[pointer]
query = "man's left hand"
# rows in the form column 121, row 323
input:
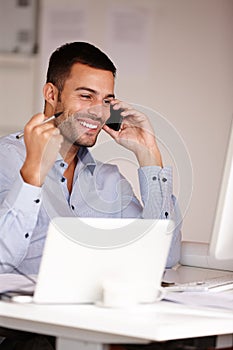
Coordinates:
column 136, row 134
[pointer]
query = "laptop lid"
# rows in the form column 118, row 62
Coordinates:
column 80, row 255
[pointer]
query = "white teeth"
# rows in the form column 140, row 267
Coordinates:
column 88, row 125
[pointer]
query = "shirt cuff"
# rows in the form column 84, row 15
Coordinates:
column 155, row 177
column 24, row 196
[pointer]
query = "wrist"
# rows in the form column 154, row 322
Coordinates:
column 31, row 175
column 149, row 158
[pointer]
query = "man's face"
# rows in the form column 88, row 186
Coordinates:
column 85, row 100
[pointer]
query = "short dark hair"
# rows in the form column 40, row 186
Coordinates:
column 63, row 58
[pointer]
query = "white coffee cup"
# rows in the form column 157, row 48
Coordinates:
column 124, row 294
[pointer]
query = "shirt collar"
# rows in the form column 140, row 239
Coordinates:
column 85, row 156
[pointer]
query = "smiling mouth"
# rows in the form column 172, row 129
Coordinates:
column 88, row 125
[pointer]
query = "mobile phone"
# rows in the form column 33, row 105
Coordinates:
column 115, row 119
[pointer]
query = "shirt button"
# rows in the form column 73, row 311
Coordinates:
column 26, row 235
column 164, row 179
column 166, row 214
column 63, row 179
column 154, row 178
column 72, row 207
column 62, row 165
column 37, row 200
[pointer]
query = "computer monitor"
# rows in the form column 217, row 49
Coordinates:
column 221, row 245
column 218, row 254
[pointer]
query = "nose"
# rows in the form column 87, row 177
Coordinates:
column 99, row 111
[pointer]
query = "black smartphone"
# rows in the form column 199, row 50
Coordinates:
column 115, row 119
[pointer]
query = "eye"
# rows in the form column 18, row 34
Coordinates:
column 86, row 96
column 106, row 102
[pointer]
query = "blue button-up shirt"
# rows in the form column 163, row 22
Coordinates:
column 99, row 190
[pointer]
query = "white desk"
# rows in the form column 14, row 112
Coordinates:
column 79, row 326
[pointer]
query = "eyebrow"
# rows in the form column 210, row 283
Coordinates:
column 93, row 91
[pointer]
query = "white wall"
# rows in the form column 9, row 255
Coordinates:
column 193, row 54
column 17, row 96
column 184, row 71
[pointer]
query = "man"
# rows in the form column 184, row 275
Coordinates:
column 51, row 172
column 53, row 160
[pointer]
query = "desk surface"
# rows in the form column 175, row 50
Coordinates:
column 143, row 323
column 161, row 321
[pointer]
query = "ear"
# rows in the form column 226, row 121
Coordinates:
column 51, row 94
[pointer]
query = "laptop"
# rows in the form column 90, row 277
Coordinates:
column 80, row 255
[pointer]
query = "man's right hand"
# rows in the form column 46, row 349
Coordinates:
column 43, row 142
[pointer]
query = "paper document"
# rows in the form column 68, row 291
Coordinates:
column 16, row 282
column 223, row 300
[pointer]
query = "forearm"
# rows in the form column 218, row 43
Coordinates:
column 156, row 192
column 175, row 248
column 160, row 203
column 148, row 156
column 18, row 216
